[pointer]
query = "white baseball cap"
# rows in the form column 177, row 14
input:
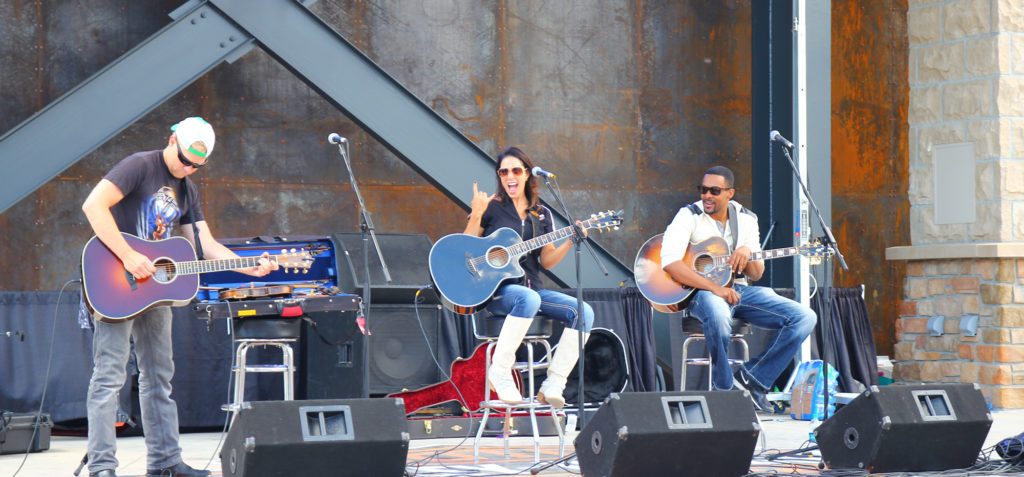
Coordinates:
column 192, row 130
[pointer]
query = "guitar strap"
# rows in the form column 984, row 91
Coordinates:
column 195, row 228
column 734, row 213
column 733, row 227
column 535, row 222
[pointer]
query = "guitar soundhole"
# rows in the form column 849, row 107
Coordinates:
column 165, row 270
column 497, row 257
column 704, row 265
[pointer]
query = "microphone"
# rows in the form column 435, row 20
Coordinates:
column 775, row 136
column 538, row 172
column 334, row 138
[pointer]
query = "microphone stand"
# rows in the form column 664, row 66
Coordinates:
column 579, row 292
column 829, row 241
column 368, row 231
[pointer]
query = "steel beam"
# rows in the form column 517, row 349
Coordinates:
column 218, row 30
column 385, row 109
column 106, row 103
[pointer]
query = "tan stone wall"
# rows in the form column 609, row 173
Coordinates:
column 966, row 76
column 993, row 289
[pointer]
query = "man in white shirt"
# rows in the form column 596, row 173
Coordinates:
column 716, row 215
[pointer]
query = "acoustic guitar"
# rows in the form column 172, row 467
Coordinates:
column 709, row 258
column 467, row 270
column 116, row 295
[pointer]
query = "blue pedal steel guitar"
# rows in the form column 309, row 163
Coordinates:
column 467, row 270
column 116, row 295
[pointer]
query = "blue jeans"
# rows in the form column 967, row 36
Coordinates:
column 111, row 346
column 517, row 300
column 763, row 308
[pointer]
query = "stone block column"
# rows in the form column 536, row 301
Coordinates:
column 966, row 77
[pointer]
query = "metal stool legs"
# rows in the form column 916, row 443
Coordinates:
column 287, row 367
column 530, row 404
column 706, row 361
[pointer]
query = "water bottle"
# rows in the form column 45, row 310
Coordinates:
column 810, row 430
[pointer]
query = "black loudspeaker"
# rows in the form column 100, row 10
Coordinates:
column 407, row 258
column 355, row 437
column 907, row 428
column 698, row 433
column 399, row 355
column 330, row 357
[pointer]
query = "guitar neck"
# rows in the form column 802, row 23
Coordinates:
column 776, row 253
column 538, row 242
column 193, row 267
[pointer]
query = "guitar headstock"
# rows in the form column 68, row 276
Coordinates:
column 816, row 251
column 607, row 220
column 294, row 260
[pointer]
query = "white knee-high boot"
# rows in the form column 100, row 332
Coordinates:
column 499, row 375
column 566, row 355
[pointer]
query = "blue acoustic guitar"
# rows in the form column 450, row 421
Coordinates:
column 466, row 269
column 117, row 296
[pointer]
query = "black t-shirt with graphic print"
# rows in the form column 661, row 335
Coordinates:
column 503, row 214
column 152, row 202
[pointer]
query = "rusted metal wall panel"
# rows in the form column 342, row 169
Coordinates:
column 693, row 68
column 628, row 101
column 870, row 210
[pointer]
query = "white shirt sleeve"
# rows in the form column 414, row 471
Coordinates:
column 750, row 235
column 677, row 237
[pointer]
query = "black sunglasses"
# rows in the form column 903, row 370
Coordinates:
column 713, row 190
column 515, row 171
column 184, row 160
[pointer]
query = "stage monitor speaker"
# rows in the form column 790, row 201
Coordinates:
column 355, row 437
column 399, row 355
column 645, row 433
column 407, row 258
column 907, row 428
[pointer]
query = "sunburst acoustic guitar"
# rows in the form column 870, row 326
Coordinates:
column 708, row 258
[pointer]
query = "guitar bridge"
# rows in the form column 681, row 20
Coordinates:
column 131, row 280
column 470, row 267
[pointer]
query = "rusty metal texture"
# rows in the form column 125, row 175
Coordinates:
column 870, row 168
column 628, row 101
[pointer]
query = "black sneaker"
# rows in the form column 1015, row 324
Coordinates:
column 180, row 469
column 757, row 395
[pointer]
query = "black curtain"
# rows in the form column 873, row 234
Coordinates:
column 638, row 316
column 851, row 341
column 29, row 316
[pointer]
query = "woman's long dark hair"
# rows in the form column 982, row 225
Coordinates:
column 530, row 188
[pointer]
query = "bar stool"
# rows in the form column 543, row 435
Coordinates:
column 259, row 332
column 488, row 329
column 694, row 330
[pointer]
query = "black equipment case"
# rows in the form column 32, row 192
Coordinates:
column 16, row 431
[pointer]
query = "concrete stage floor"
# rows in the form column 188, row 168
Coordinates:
column 456, row 455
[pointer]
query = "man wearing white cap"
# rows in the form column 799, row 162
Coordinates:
column 147, row 194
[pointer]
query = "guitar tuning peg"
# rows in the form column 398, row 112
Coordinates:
column 305, row 271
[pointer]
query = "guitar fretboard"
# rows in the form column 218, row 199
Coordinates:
column 538, row 242
column 193, row 267
column 763, row 255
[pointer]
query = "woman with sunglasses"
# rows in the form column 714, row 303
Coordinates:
column 515, row 205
